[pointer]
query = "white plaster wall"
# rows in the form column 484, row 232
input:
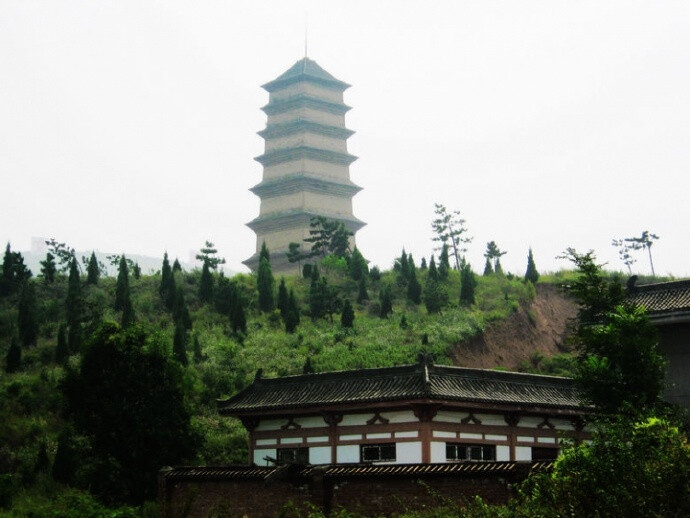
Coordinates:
column 475, row 436
column 306, row 139
column 546, row 440
column 339, row 172
column 291, row 440
column 306, row 88
column 438, row 451
column 494, row 437
column 491, row 419
column 561, row 424
column 320, row 455
column 445, row 435
column 445, row 416
column 530, row 422
column 347, row 453
column 379, row 435
column 310, row 114
column 406, row 435
column 266, row 442
column 525, row 438
column 408, row 452
column 523, row 453
column 311, row 422
column 270, row 424
column 502, row 452
column 351, row 437
column 355, row 419
column 320, row 438
column 260, row 454
column 402, row 416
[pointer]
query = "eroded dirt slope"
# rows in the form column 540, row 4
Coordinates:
column 540, row 327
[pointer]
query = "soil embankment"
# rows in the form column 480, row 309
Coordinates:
column 540, row 327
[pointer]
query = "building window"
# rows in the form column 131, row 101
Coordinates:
column 293, row 456
column 458, row 451
column 376, row 452
column 544, row 453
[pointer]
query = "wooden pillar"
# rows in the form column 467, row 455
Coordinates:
column 250, row 423
column 332, row 420
column 425, row 414
column 512, row 421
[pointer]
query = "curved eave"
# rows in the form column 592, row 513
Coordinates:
column 304, row 126
column 298, row 218
column 305, row 101
column 279, row 156
column 331, row 84
column 297, row 183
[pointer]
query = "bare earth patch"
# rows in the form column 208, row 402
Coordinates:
column 540, row 327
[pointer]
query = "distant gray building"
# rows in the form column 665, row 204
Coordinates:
column 306, row 163
column 668, row 307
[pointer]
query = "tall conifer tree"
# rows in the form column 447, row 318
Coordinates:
column 531, row 275
column 93, row 271
column 13, row 360
column 414, row 289
column 26, row 316
column 467, row 286
column 238, row 318
column 180, row 310
column 386, row 302
column 488, row 270
column 347, row 317
column 166, row 275
column 362, row 294
column 282, row 297
column 74, row 307
column 48, row 268
column 443, row 262
column 291, row 318
column 265, row 282
column 180, row 344
column 206, row 284
column 122, row 287
column 61, row 350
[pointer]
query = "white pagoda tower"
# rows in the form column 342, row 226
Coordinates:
column 306, row 164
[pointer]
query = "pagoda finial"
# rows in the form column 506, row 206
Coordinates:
column 306, row 34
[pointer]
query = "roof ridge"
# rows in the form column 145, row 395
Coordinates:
column 658, row 286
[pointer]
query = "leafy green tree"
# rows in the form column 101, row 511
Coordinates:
column 620, row 368
column 127, row 399
column 166, row 277
column 493, row 255
column 282, row 301
column 180, row 344
column 531, row 275
column 48, row 268
column 180, row 312
column 328, row 236
column 265, row 283
column 624, row 253
column 296, row 255
column 207, row 255
column 357, row 266
column 443, row 262
column 206, row 284
column 450, row 228
column 635, row 470
column 61, row 349
column 93, row 270
column 375, row 274
column 26, row 315
column 488, row 269
column 646, row 240
column 63, row 253
column 385, row 302
column 347, row 317
column 291, row 318
column 13, row 360
column 468, row 283
column 362, row 293
column 122, row 287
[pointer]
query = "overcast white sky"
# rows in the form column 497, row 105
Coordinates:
column 131, row 125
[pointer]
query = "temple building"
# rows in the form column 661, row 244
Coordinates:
column 305, row 162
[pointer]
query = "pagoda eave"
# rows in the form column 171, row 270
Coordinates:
column 298, row 219
column 305, row 101
column 279, row 156
column 301, row 182
column 331, row 84
column 301, row 125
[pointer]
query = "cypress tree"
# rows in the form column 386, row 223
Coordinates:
column 362, row 294
column 317, row 297
column 171, row 293
column 414, row 289
column 358, row 265
column 206, row 284
column 386, row 302
column 136, row 271
column 443, row 262
column 306, row 271
column 61, row 350
column 180, row 344
column 93, row 272
column 308, row 368
column 122, row 287
column 7, row 279
column 265, row 283
column 435, row 296
column 497, row 267
column 66, row 459
column 403, row 322
column 26, row 315
column 166, row 275
column 238, row 319
column 531, row 274
column 291, row 318
column 282, row 297
column 74, row 307
column 403, row 267
column 263, row 254
column 433, row 272
column 198, row 355
column 422, row 265
column 13, row 360
column 128, row 317
column 74, row 338
column 488, row 270
column 468, row 283
column 48, row 268
column 180, row 313
column 176, row 267
column 347, row 317
column 375, row 274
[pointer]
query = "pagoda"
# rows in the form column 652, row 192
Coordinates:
column 306, row 166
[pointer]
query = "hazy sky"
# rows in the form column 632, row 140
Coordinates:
column 131, row 125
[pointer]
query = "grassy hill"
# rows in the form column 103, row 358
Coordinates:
column 482, row 335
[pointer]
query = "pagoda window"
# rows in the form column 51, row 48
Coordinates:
column 377, row 452
column 470, row 452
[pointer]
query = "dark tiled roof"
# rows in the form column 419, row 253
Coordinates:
column 422, row 381
column 662, row 298
column 349, row 470
column 305, row 68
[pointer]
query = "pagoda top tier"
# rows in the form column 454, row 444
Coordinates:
column 306, row 70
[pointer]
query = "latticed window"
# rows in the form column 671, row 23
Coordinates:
column 293, row 456
column 374, row 452
column 479, row 452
